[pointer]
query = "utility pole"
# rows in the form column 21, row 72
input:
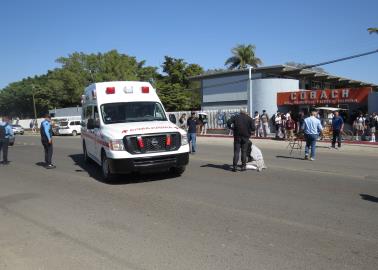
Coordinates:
column 249, row 105
column 35, row 109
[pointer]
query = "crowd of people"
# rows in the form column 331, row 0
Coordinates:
column 365, row 125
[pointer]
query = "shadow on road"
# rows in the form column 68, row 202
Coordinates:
column 225, row 167
column 290, row 157
column 94, row 171
column 369, row 198
column 41, row 164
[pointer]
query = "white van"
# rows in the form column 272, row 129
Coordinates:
column 68, row 127
column 125, row 129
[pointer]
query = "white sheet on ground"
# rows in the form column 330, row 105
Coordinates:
column 258, row 160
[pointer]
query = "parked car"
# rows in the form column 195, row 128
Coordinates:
column 17, row 129
column 69, row 128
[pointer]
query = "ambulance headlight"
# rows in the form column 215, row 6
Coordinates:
column 116, row 145
column 184, row 139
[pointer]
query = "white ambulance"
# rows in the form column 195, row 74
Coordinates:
column 125, row 129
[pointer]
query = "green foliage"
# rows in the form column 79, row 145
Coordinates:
column 242, row 56
column 175, row 90
column 373, row 30
column 63, row 86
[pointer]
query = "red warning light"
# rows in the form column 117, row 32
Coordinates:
column 110, row 90
column 145, row 89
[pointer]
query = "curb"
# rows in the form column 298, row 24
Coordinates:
column 273, row 139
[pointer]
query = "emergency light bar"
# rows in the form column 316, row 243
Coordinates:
column 110, row 90
column 128, row 90
column 145, row 89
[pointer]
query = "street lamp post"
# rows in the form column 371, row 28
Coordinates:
column 250, row 100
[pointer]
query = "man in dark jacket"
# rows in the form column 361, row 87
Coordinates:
column 243, row 126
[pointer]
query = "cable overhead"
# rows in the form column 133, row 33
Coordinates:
column 339, row 60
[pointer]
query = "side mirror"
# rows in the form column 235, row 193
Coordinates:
column 91, row 124
column 172, row 118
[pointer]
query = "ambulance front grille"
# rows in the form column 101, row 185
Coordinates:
column 152, row 143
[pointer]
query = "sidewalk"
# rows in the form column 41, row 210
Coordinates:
column 271, row 137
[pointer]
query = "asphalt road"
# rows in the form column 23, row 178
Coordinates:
column 295, row 215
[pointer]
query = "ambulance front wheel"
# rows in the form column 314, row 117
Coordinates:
column 107, row 175
column 178, row 170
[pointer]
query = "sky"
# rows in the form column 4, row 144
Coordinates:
column 33, row 34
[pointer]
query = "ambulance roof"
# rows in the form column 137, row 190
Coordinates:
column 120, row 91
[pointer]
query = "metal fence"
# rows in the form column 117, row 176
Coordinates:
column 217, row 119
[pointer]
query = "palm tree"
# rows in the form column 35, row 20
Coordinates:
column 243, row 55
column 373, row 30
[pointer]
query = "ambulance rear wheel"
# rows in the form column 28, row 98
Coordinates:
column 74, row 133
column 85, row 154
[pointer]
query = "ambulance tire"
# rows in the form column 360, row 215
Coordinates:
column 74, row 133
column 178, row 170
column 107, row 176
column 86, row 158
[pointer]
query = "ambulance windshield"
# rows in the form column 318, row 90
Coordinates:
column 126, row 112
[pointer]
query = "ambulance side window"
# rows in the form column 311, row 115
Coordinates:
column 96, row 117
column 87, row 115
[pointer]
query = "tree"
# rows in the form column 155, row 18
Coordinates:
column 173, row 88
column 302, row 65
column 63, row 86
column 373, row 30
column 243, row 55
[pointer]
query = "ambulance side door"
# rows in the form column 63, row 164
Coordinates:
column 88, row 132
column 97, row 133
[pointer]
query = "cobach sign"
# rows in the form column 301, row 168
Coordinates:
column 327, row 96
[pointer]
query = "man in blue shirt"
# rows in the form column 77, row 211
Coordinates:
column 311, row 127
column 5, row 133
column 46, row 138
column 337, row 128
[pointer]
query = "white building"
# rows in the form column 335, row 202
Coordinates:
column 231, row 89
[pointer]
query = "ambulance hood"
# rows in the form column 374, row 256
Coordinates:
column 119, row 130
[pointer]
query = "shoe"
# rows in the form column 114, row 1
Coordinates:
column 243, row 168
column 249, row 159
column 50, row 166
column 234, row 168
column 5, row 162
column 312, row 159
column 306, row 157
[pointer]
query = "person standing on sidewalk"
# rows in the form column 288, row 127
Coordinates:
column 192, row 132
column 5, row 133
column 243, row 127
column 337, row 128
column 256, row 118
column 265, row 123
column 311, row 127
column 46, row 138
column 373, row 124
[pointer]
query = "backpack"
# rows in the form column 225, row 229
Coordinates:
column 3, row 131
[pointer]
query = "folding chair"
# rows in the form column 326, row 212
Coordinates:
column 296, row 143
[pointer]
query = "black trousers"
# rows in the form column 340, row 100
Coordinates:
column 48, row 147
column 4, row 147
column 240, row 143
column 336, row 136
